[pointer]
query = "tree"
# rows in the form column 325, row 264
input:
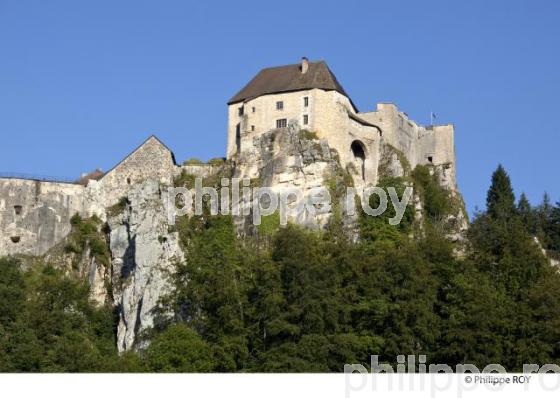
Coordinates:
column 179, row 349
column 500, row 200
column 527, row 214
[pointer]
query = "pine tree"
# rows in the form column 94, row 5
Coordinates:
column 527, row 214
column 500, row 201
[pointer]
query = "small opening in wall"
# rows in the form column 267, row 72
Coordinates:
column 358, row 150
column 15, row 239
column 238, row 138
column 252, row 128
column 128, row 181
column 254, row 109
column 17, row 210
column 430, row 159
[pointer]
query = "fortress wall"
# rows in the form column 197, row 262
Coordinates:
column 151, row 160
column 35, row 215
column 333, row 124
column 203, row 170
column 418, row 143
column 398, row 129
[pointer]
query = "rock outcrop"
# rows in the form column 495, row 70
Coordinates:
column 144, row 254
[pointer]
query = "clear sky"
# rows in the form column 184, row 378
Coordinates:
column 83, row 83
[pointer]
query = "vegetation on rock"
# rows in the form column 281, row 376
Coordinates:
column 308, row 301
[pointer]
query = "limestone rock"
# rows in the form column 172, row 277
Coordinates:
column 144, row 254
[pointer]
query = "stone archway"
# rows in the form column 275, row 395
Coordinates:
column 359, row 152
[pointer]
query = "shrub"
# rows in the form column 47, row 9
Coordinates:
column 193, row 162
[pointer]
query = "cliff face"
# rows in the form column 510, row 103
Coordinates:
column 143, row 254
column 122, row 243
column 294, row 158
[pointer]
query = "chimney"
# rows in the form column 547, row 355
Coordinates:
column 304, row 64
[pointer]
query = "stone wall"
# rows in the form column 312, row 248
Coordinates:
column 420, row 144
column 328, row 116
column 152, row 159
column 35, row 215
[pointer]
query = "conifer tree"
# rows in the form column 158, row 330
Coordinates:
column 527, row 214
column 500, row 201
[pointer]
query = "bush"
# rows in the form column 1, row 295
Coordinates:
column 193, row 162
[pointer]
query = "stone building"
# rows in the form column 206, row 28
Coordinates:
column 309, row 95
column 35, row 214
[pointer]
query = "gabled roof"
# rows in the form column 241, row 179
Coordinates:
column 150, row 138
column 287, row 78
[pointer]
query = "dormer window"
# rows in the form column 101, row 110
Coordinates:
column 279, row 105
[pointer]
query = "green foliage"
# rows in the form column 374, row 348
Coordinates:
column 216, row 161
column 193, row 162
column 185, row 180
column 377, row 230
column 500, row 201
column 48, row 324
column 118, row 208
column 309, row 301
column 179, row 349
column 269, row 224
column 435, row 198
column 86, row 233
column 308, row 135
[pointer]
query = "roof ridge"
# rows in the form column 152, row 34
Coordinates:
column 288, row 78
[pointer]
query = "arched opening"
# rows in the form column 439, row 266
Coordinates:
column 359, row 152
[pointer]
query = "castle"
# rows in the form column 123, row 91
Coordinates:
column 35, row 214
column 289, row 126
column 309, row 94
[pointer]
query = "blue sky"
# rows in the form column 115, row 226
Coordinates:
column 83, row 83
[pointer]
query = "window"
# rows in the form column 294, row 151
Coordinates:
column 430, row 159
column 252, row 127
column 306, row 101
column 238, row 137
column 305, row 119
column 128, row 181
column 15, row 239
column 17, row 210
column 240, row 110
column 280, row 105
column 254, row 109
column 281, row 123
